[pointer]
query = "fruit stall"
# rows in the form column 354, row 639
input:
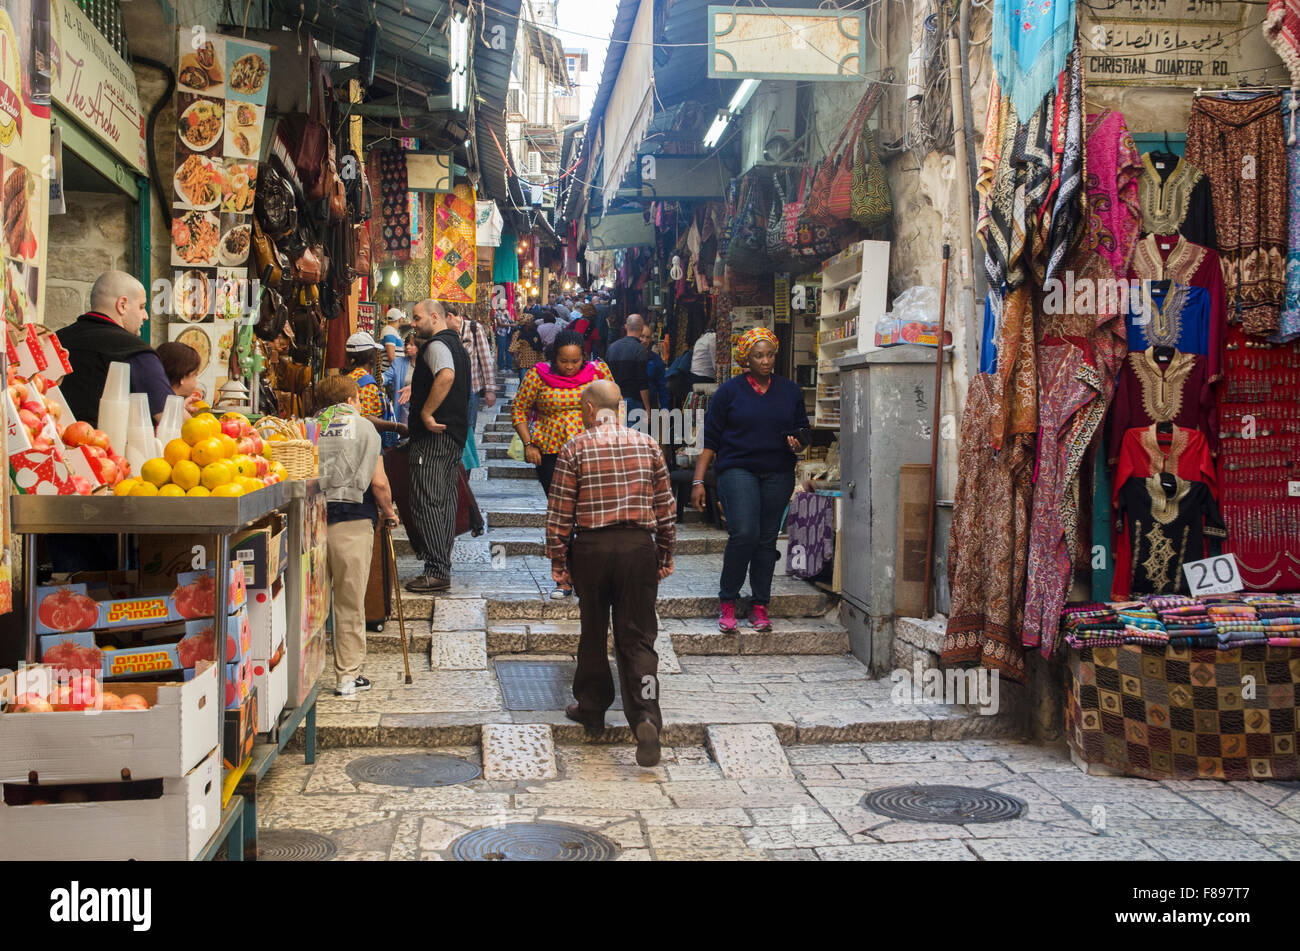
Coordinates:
column 155, row 696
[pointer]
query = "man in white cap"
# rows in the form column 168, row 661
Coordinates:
column 375, row 406
column 391, row 336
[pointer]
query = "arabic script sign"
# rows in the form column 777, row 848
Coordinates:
column 1176, row 43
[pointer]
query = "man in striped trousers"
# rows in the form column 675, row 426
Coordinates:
column 438, row 424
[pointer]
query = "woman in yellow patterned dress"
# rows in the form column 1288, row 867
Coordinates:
column 550, row 394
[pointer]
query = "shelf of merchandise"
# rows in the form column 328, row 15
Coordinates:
column 854, row 287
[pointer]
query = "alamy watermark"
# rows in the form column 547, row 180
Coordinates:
column 975, row 686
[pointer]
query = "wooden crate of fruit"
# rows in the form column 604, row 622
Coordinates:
column 85, row 730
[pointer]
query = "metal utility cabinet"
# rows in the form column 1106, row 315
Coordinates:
column 885, row 421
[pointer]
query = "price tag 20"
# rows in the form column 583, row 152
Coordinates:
column 1217, row 575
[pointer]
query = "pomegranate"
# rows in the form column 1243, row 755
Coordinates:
column 31, row 703
column 196, row 599
column 68, row 610
column 112, row 701
column 133, row 701
column 77, row 433
column 100, row 438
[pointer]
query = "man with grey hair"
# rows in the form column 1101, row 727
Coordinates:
column 438, row 426
column 610, row 533
column 110, row 332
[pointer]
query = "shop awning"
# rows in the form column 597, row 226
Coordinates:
column 631, row 99
column 547, row 48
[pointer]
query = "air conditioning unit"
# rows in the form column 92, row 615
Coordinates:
column 534, row 163
column 770, row 120
column 515, row 102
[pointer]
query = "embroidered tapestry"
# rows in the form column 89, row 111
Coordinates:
column 454, row 256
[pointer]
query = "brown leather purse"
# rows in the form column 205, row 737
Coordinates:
column 307, row 266
column 267, row 258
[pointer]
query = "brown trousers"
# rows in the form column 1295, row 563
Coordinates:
column 617, row 569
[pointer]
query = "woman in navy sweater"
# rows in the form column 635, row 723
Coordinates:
column 755, row 427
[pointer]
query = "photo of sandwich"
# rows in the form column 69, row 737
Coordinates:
column 201, row 69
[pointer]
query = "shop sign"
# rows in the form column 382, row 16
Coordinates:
column 94, row 84
column 1176, row 43
column 221, row 90
column 785, row 43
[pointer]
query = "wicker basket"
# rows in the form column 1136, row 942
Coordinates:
column 298, row 456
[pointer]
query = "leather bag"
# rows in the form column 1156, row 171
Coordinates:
column 274, row 206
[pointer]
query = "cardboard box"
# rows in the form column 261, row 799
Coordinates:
column 306, row 667
column 173, row 826
column 169, row 739
column 271, row 682
column 913, row 529
column 198, row 642
column 893, row 333
column 239, row 681
column 268, row 618
column 239, row 731
column 68, row 608
column 263, row 552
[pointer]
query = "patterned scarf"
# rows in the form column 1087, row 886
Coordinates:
column 1031, row 42
column 394, row 211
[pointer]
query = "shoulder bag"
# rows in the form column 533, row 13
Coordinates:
column 872, row 205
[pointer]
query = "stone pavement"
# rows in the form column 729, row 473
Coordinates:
column 770, row 740
column 689, row 807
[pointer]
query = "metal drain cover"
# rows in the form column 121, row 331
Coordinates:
column 953, row 804
column 541, row 684
column 294, row 845
column 533, row 842
column 412, row 769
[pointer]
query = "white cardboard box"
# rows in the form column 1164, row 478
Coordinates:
column 268, row 616
column 178, row 730
column 174, row 827
column 272, row 685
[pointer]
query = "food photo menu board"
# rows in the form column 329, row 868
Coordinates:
column 221, row 90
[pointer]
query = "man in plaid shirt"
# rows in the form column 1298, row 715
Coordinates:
column 610, row 527
column 482, row 372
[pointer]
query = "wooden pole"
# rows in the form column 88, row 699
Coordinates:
column 934, row 430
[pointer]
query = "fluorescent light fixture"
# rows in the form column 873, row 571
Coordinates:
column 458, row 41
column 740, row 99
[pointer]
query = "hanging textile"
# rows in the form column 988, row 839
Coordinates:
column 394, row 212
column 1068, row 145
column 1282, row 30
column 1172, row 257
column 1161, row 530
column 505, row 262
column 488, row 224
column 1031, row 42
column 1176, row 198
column 454, row 262
column 1227, row 139
column 1169, row 387
column 416, row 273
column 1289, row 320
column 1114, row 216
column 989, row 544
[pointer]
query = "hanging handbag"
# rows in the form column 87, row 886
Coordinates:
column 776, row 246
column 362, row 265
column 872, row 205
column 794, row 209
column 813, row 240
column 267, row 259
column 271, row 315
column 747, row 253
column 839, row 202
column 307, row 266
column 274, row 206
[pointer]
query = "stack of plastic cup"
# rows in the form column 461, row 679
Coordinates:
column 173, row 418
column 141, row 443
column 114, row 407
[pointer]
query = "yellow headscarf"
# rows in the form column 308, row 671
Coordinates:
column 752, row 337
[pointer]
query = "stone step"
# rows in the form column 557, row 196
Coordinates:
column 800, row 699
column 501, row 515
column 509, row 469
column 690, row 637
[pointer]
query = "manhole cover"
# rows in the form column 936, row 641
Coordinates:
column 955, row 804
column 294, row 845
column 532, row 842
column 540, row 685
column 412, row 769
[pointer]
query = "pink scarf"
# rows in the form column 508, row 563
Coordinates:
column 557, row 382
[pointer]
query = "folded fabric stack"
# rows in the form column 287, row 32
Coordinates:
column 1186, row 621
column 1142, row 625
column 1223, row 621
column 1280, row 618
column 1092, row 625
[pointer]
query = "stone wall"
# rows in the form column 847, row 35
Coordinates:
column 94, row 236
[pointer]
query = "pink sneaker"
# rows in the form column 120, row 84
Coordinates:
column 758, row 618
column 726, row 616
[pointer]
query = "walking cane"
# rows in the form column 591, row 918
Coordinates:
column 397, row 596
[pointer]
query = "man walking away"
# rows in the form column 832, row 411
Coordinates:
column 628, row 360
column 611, row 486
column 482, row 373
column 391, row 337
column 356, row 491
column 438, row 424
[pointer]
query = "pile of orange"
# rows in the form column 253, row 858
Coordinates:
column 203, row 462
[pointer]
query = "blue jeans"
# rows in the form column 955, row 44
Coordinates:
column 503, row 352
column 754, row 503
column 475, row 401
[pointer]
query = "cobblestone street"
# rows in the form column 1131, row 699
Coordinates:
column 771, row 741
